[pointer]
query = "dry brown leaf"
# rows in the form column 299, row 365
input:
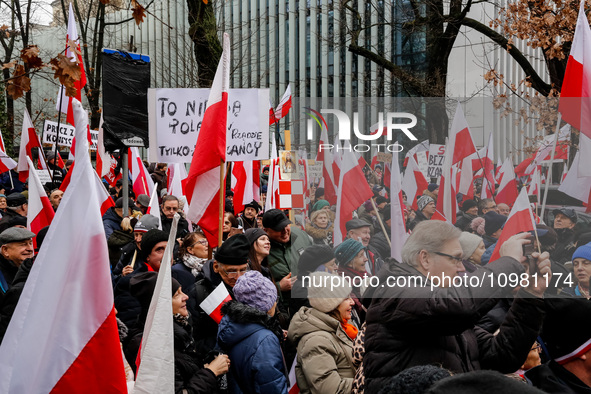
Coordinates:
column 138, row 12
column 105, row 2
column 30, row 55
column 19, row 83
column 68, row 72
column 73, row 46
column 205, row 2
column 8, row 65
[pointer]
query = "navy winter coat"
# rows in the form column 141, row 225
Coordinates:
column 250, row 338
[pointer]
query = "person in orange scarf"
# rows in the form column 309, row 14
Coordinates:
column 324, row 336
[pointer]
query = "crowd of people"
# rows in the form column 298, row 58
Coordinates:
column 344, row 315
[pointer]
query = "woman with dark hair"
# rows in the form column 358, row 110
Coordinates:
column 192, row 256
column 229, row 223
column 260, row 247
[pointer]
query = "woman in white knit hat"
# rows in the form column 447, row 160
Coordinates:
column 324, row 337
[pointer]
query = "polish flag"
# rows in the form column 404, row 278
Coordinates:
column 154, row 208
column 488, row 180
column 414, row 182
column 176, row 177
column 293, row 383
column 64, row 329
column 29, row 140
column 284, row 105
column 326, row 157
column 446, row 201
column 545, row 149
column 111, row 178
column 423, row 147
column 387, row 174
column 498, row 168
column 6, row 163
column 352, row 191
column 155, row 373
column 244, row 179
column 65, row 101
column 105, row 198
column 535, row 185
column 576, row 186
column 507, row 192
column 460, row 137
column 40, row 212
column 585, row 150
column 398, row 232
column 103, row 159
column 273, row 181
column 142, row 182
column 203, row 183
column 465, row 175
column 520, row 220
column 214, row 302
column 575, row 95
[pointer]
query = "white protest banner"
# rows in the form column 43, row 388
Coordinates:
column 175, row 117
column 44, row 176
column 423, row 163
column 315, row 170
column 436, row 156
column 66, row 134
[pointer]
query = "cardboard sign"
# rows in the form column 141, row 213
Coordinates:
column 44, row 176
column 176, row 116
column 66, row 134
column 436, row 157
column 315, row 170
column 384, row 157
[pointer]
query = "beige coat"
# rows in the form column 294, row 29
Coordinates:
column 325, row 353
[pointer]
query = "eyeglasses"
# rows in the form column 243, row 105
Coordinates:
column 458, row 260
column 236, row 274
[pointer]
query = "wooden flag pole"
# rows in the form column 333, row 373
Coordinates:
column 221, row 211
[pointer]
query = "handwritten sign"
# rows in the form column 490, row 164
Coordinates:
column 384, row 157
column 66, row 134
column 44, row 176
column 176, row 116
column 436, row 157
column 315, row 170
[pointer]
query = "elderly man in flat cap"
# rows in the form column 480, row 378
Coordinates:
column 17, row 246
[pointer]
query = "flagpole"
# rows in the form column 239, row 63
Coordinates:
column 10, row 176
column 380, row 220
column 57, row 134
column 221, row 211
column 549, row 178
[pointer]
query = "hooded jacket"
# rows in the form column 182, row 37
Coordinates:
column 322, row 236
column 8, row 305
column 554, row 378
column 111, row 222
column 325, row 353
column 251, row 340
column 415, row 325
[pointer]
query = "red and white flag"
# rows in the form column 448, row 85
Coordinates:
column 414, row 182
column 105, row 198
column 520, row 220
column 293, row 383
column 65, row 101
column 398, row 234
column 507, row 192
column 576, row 186
column 203, row 183
column 585, row 150
column 6, row 163
column 103, row 159
column 155, row 361
column 245, row 183
column 214, row 302
column 352, row 191
column 326, row 157
column 545, row 149
column 284, row 105
column 273, row 181
column 460, row 139
column 154, row 208
column 29, row 140
column 176, row 177
column 446, row 200
column 423, row 148
column 488, row 180
column 142, row 182
column 40, row 212
column 535, row 184
column 575, row 95
column 57, row 340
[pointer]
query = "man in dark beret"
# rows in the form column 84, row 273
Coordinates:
column 16, row 208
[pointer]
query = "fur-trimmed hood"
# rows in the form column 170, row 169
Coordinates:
column 321, row 233
column 241, row 321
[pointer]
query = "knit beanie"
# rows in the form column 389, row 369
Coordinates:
column 468, row 204
column 146, row 223
column 319, row 192
column 327, row 291
column 583, row 252
column 150, row 239
column 254, row 290
column 252, row 234
column 142, row 286
column 493, row 221
column 319, row 205
column 469, row 243
column 423, row 201
column 477, row 225
column 313, row 257
column 234, row 251
column 347, row 251
column 432, row 187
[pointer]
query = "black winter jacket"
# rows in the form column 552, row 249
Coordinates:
column 554, row 378
column 410, row 326
column 13, row 295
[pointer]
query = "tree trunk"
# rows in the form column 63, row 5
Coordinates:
column 203, row 32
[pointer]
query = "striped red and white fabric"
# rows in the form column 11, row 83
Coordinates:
column 142, row 182
column 507, row 191
column 203, row 182
column 414, row 182
column 154, row 208
column 105, row 198
column 326, row 157
column 214, row 302
column 29, row 140
column 57, row 339
column 398, row 233
column 284, row 105
column 488, row 179
column 274, row 177
column 40, row 212
column 65, row 101
column 575, row 95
